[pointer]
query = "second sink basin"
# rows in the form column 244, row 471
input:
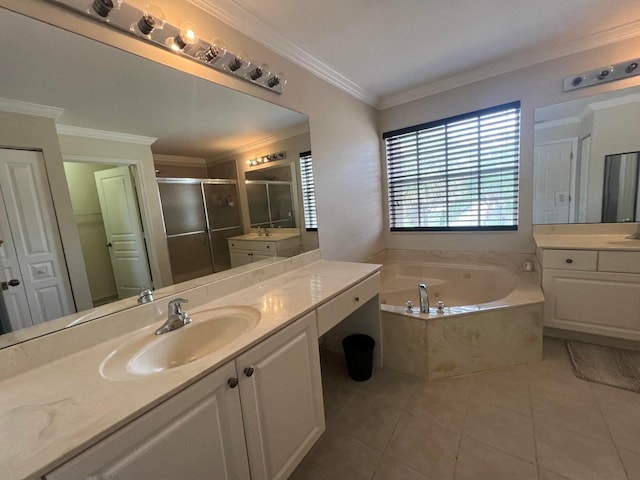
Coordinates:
column 148, row 354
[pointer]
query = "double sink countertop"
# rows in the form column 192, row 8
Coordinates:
column 51, row 413
column 587, row 242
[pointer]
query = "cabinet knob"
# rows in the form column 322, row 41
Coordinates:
column 356, row 299
column 233, row 382
column 248, row 371
column 569, row 260
column 268, row 246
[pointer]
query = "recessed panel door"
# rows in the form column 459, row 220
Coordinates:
column 125, row 241
column 32, row 254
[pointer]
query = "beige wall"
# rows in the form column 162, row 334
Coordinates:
column 534, row 86
column 344, row 131
column 88, row 216
column 37, row 133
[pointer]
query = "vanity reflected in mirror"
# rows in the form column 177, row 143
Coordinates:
column 586, row 160
column 107, row 146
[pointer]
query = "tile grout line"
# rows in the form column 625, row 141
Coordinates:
column 464, row 421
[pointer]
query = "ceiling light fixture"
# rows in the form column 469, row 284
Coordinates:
column 608, row 73
column 151, row 25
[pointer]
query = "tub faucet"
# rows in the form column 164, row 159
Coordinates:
column 635, row 235
column 424, row 298
column 177, row 317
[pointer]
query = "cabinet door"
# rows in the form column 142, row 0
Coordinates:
column 282, row 399
column 195, row 435
column 240, row 257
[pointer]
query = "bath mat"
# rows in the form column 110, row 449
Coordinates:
column 606, row 365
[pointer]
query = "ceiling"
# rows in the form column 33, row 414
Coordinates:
column 189, row 116
column 387, row 53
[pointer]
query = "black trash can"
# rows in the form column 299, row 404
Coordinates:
column 358, row 350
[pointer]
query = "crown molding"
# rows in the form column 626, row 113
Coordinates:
column 18, row 106
column 242, row 20
column 263, row 142
column 104, row 135
column 515, row 62
column 239, row 18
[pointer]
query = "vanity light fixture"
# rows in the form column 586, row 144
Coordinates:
column 605, row 74
column 150, row 24
column 277, row 79
column 186, row 36
column 152, row 19
column 103, row 8
column 262, row 70
column 214, row 51
column 267, row 158
column 240, row 60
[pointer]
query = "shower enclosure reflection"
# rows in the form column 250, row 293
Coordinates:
column 199, row 216
column 620, row 199
column 270, row 192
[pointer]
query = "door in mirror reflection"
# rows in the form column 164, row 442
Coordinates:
column 620, row 198
column 34, row 279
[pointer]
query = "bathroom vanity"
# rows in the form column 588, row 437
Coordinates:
column 251, row 408
column 249, row 248
column 591, row 283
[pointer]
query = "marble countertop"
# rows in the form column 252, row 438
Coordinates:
column 52, row 413
column 272, row 237
column 586, row 242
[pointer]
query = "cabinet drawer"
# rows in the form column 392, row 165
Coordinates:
column 623, row 262
column 570, row 259
column 335, row 310
column 257, row 246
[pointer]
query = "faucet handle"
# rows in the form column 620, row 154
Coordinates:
column 176, row 305
column 145, row 296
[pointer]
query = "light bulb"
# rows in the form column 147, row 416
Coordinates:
column 216, row 49
column 241, row 60
column 261, row 71
column 152, row 19
column 103, row 8
column 277, row 79
column 187, row 36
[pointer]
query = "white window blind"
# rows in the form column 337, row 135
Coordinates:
column 459, row 173
column 308, row 192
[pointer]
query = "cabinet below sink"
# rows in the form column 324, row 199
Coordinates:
column 246, row 249
column 255, row 418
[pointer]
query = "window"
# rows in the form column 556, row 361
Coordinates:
column 459, row 173
column 308, row 192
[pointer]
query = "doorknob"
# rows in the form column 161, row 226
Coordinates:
column 14, row 282
column 109, row 245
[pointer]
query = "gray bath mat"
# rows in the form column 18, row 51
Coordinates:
column 607, row 365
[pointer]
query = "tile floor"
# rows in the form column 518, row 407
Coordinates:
column 530, row 422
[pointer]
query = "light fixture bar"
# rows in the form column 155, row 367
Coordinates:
column 608, row 73
column 128, row 19
column 271, row 157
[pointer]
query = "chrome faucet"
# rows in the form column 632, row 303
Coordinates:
column 266, row 231
column 635, row 235
column 177, row 317
column 145, row 296
column 424, row 298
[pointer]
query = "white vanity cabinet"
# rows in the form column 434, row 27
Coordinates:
column 196, row 434
column 243, row 252
column 592, row 291
column 253, row 418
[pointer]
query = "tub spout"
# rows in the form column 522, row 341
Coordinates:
column 424, row 298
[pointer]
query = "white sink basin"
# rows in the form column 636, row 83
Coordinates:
column 149, row 354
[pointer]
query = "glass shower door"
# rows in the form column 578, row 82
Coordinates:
column 223, row 215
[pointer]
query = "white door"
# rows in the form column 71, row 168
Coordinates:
column 281, row 394
column 125, row 241
column 552, row 182
column 31, row 253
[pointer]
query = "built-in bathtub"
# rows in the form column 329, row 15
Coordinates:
column 493, row 317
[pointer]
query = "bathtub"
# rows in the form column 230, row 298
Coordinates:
column 493, row 317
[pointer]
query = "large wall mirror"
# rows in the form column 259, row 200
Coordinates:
column 120, row 118
column 586, row 160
